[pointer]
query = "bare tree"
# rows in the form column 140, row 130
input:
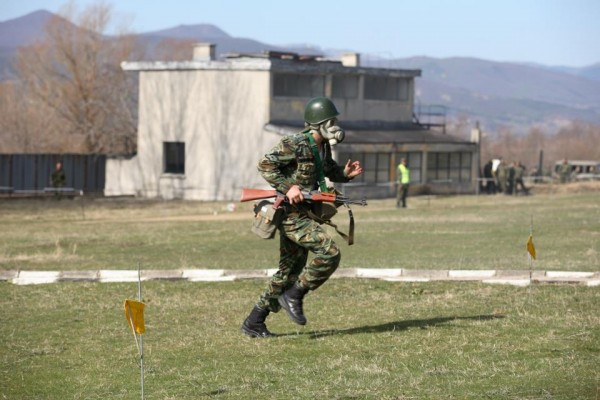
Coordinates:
column 576, row 140
column 75, row 72
column 28, row 125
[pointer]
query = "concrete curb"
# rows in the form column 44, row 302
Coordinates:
column 501, row 277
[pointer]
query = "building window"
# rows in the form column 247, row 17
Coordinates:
column 449, row 167
column 298, row 85
column 174, row 157
column 413, row 162
column 344, row 86
column 386, row 88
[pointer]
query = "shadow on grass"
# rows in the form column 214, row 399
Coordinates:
column 393, row 326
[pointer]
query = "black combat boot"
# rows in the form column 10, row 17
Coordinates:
column 291, row 301
column 254, row 325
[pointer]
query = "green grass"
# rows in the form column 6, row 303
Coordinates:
column 365, row 340
column 463, row 232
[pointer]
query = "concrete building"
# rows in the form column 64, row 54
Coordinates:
column 204, row 123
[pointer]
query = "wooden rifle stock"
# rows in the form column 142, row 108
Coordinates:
column 319, row 196
column 257, row 194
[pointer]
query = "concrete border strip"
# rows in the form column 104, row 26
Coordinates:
column 206, row 275
column 110, row 275
column 471, row 273
column 513, row 277
column 378, row 273
column 36, row 277
column 569, row 274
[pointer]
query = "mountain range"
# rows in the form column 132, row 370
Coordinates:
column 497, row 94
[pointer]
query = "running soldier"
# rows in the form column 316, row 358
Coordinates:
column 299, row 163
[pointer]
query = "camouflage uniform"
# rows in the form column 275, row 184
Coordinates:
column 291, row 162
column 58, row 178
column 564, row 172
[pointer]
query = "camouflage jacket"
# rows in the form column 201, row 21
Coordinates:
column 291, row 162
column 58, row 178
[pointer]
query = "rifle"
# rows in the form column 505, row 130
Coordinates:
column 259, row 194
column 315, row 196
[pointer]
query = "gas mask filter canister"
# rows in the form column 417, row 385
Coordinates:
column 333, row 133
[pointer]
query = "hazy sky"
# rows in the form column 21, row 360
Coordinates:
column 551, row 32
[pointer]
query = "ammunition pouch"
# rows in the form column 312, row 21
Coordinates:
column 267, row 217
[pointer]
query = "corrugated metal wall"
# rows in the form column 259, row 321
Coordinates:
column 32, row 171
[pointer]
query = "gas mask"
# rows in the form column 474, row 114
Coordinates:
column 331, row 132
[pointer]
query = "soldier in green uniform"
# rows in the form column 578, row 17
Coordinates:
column 564, row 171
column 299, row 163
column 519, row 173
column 502, row 177
column 58, row 178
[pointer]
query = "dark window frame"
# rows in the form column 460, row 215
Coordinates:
column 174, row 158
column 345, row 86
column 449, row 166
column 298, row 85
column 386, row 88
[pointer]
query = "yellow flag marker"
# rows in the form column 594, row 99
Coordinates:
column 531, row 247
column 134, row 312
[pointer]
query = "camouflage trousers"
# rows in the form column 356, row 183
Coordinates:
column 298, row 234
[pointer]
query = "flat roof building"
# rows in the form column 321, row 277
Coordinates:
column 204, row 124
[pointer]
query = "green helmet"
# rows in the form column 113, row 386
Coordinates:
column 319, row 109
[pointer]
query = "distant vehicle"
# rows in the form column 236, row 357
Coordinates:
column 581, row 170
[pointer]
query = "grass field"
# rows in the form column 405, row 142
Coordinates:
column 465, row 232
column 365, row 339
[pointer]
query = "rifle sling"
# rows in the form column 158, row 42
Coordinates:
column 318, row 161
column 349, row 237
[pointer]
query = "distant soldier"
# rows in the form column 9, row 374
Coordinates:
column 502, row 176
column 403, row 182
column 519, row 173
column 510, row 178
column 488, row 174
column 58, row 179
column 564, row 171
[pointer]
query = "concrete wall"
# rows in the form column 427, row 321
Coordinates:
column 219, row 115
column 123, row 177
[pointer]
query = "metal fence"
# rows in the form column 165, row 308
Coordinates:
column 31, row 172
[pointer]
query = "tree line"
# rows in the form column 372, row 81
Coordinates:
column 70, row 95
column 576, row 140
